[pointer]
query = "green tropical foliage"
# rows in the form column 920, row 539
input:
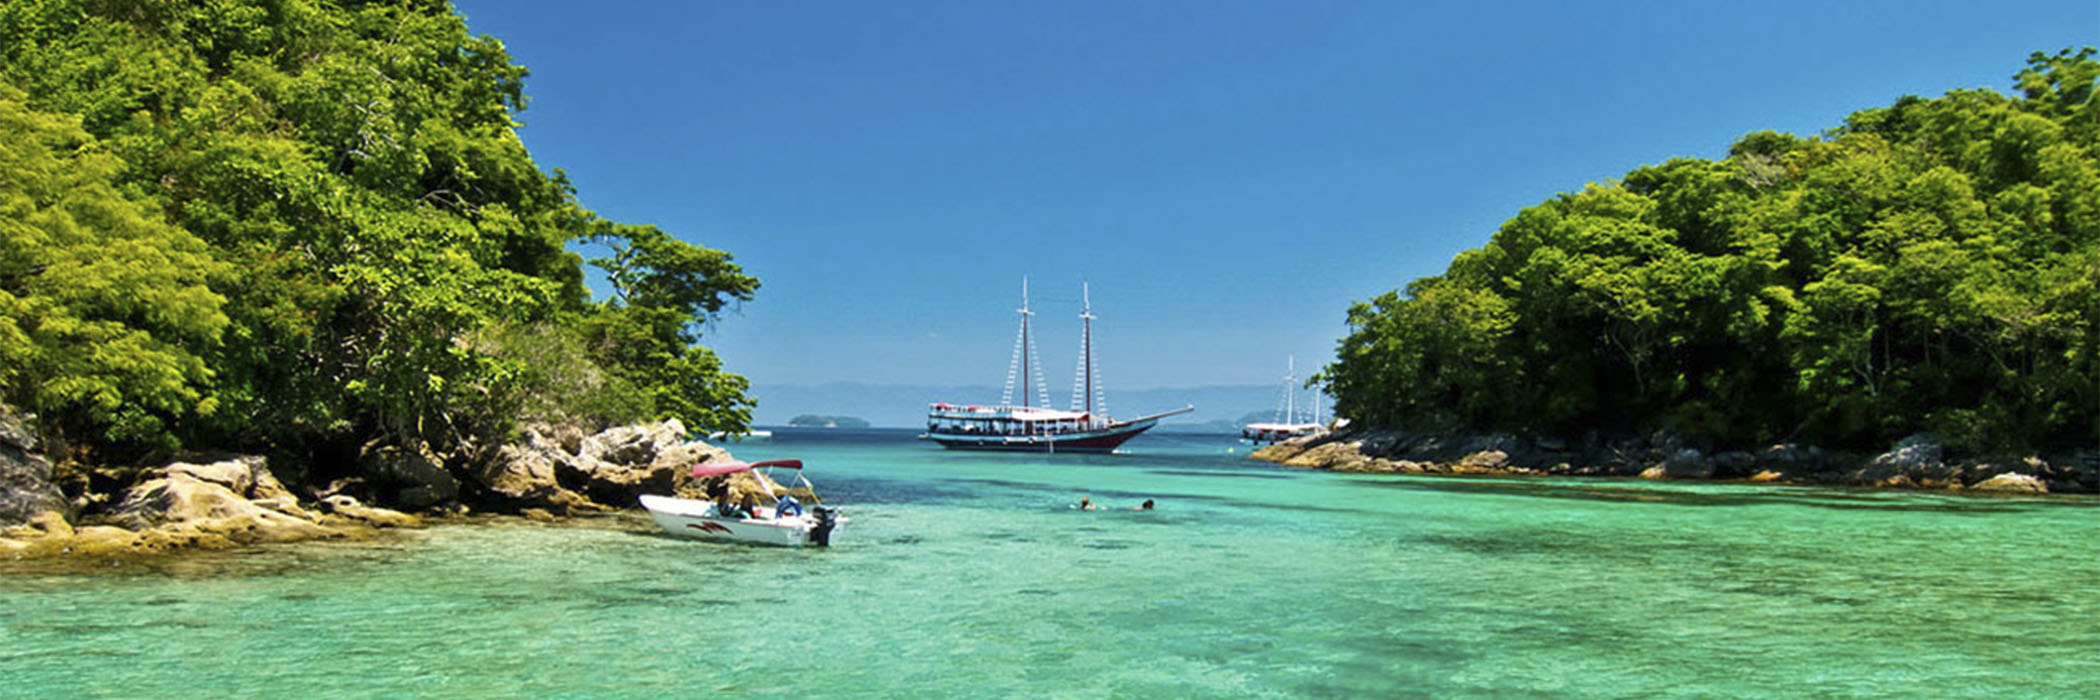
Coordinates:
column 1930, row 265
column 284, row 223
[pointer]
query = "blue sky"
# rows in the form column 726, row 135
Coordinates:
column 1228, row 176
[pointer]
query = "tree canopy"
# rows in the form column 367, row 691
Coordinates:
column 1927, row 266
column 280, row 223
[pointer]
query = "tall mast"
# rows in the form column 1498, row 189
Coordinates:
column 1290, row 391
column 1086, row 346
column 1025, row 313
column 1024, row 362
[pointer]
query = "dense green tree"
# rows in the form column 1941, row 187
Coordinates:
column 104, row 309
column 1929, row 265
column 342, row 185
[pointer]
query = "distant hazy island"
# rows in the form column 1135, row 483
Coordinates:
column 811, row 420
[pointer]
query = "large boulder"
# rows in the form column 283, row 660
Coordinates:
column 633, row 445
column 2011, row 483
column 26, row 491
column 617, row 466
column 524, row 475
column 1793, row 460
column 557, row 468
column 1688, row 463
column 237, row 498
column 1917, row 461
column 414, row 478
column 179, row 497
column 1919, row 452
column 616, row 484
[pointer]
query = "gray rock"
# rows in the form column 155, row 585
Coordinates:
column 26, row 491
column 617, row 466
column 633, row 444
column 1916, row 453
column 1734, row 465
column 525, row 475
column 1688, row 463
column 416, row 478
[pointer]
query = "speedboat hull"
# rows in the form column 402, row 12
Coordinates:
column 697, row 520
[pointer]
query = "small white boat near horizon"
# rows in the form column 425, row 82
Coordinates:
column 785, row 523
column 753, row 435
column 1287, row 426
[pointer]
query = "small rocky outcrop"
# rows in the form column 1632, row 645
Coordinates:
column 26, row 491
column 237, row 501
column 209, row 505
column 1920, row 461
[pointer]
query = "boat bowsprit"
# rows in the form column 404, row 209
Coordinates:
column 784, row 522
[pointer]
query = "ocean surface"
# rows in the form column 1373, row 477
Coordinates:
column 966, row 575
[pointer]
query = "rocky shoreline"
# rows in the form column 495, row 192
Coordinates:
column 239, row 501
column 1917, row 462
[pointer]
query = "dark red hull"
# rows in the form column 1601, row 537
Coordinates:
column 1103, row 440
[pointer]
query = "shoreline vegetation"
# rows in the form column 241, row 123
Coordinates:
column 1927, row 272
column 284, row 270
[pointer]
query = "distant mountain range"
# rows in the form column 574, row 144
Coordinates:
column 1218, row 408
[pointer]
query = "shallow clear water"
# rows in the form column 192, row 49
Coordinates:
column 970, row 575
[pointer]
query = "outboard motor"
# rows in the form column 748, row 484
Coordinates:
column 827, row 518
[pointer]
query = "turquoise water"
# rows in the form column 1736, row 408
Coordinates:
column 969, row 575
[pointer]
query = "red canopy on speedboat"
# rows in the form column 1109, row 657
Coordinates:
column 702, row 471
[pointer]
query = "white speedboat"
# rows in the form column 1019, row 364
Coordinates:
column 784, row 523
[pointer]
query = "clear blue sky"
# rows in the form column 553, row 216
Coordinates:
column 1229, row 176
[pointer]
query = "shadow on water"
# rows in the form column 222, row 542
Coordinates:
column 1809, row 496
